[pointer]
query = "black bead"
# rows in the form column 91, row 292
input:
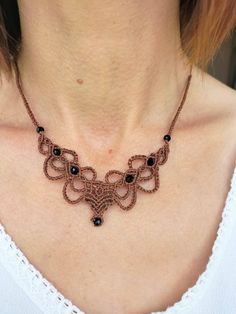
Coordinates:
column 74, row 170
column 151, row 161
column 129, row 178
column 57, row 151
column 97, row 221
column 167, row 137
column 39, row 129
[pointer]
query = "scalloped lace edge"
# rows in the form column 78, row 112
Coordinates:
column 39, row 289
column 51, row 301
column 193, row 293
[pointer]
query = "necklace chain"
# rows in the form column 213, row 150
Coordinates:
column 81, row 184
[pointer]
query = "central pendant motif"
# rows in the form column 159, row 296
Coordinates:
column 119, row 188
column 99, row 196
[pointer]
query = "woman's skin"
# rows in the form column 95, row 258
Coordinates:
column 104, row 78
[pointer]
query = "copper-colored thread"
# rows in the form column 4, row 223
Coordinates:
column 29, row 110
column 181, row 103
column 101, row 194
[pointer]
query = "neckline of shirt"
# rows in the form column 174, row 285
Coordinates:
column 50, row 300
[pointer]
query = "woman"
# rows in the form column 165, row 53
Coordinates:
column 107, row 80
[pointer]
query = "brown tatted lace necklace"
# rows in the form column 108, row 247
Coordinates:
column 118, row 187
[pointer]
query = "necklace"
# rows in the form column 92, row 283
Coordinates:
column 80, row 182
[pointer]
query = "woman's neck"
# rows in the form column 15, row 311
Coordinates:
column 104, row 66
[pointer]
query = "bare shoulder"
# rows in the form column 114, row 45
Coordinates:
column 12, row 116
column 212, row 112
column 13, row 124
column 214, row 97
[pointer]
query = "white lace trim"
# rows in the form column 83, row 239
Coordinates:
column 51, row 301
column 224, row 230
column 38, row 288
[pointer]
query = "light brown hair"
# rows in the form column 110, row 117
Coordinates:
column 204, row 25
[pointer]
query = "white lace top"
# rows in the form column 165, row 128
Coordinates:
column 24, row 290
